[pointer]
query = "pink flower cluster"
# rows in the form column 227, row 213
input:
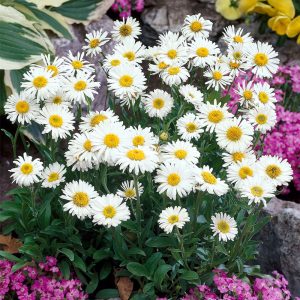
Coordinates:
column 233, row 288
column 38, row 282
column 288, row 75
column 124, row 7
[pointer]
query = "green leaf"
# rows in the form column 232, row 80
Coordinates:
column 105, row 270
column 16, row 76
column 189, row 275
column 64, row 268
column 160, row 242
column 7, row 133
column 136, row 251
column 3, row 95
column 161, row 273
column 9, row 256
column 19, row 266
column 137, row 269
column 152, row 262
column 79, row 263
column 68, row 253
column 101, row 254
column 107, row 293
column 91, row 287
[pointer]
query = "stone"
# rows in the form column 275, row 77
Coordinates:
column 280, row 242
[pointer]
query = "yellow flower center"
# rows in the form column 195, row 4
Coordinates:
column 22, row 107
column 88, row 145
column 158, row 103
column 237, row 55
column 40, row 82
column 136, row 154
column 115, row 62
column 234, row 133
column 173, row 179
column 109, row 212
column 173, row 70
column 172, row 53
column 125, row 30
column 111, row 140
column 126, row 81
column 215, row 116
column 196, row 26
column 223, row 226
column 217, row 75
column 245, row 172
column 138, row 140
column 54, row 176
column 94, row 43
column 57, row 100
column 81, row 199
column 247, row 95
column 162, row 65
column 273, row 171
column 53, row 69
column 191, row 127
column 80, row 85
column 26, row 168
column 208, row 177
column 129, row 193
column 261, row 59
column 238, row 39
column 181, row 154
column 237, row 156
column 56, row 121
column 261, row 119
column 77, row 64
column 129, row 55
column 257, row 191
column 97, row 119
column 263, row 97
column 173, row 219
column 202, row 52
column 234, row 65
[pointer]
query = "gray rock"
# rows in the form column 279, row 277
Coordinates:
column 280, row 242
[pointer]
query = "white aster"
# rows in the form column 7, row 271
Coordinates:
column 142, row 136
column 125, row 29
column 189, row 127
column 75, row 63
column 94, row 42
column 262, row 118
column 175, row 75
column 218, row 77
column 224, row 226
column 191, row 94
column 128, row 191
column 236, row 37
column 196, row 26
column 53, row 175
column 264, row 95
column 234, row 157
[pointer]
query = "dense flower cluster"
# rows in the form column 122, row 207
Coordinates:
column 124, row 7
column 42, row 281
column 233, row 288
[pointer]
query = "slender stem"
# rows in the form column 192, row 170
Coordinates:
column 181, row 244
column 138, row 208
column 197, row 207
column 14, row 141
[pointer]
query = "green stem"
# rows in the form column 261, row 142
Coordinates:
column 181, row 244
column 14, row 141
column 138, row 209
column 197, row 208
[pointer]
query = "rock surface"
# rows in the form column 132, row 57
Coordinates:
column 280, row 242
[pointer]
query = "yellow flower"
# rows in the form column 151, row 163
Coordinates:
column 279, row 24
column 246, row 6
column 294, row 27
column 229, row 12
column 298, row 40
column 264, row 9
column 283, row 7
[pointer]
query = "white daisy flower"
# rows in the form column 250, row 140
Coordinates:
column 158, row 103
column 137, row 160
column 56, row 66
column 238, row 172
column 191, row 94
column 233, row 36
column 203, row 52
column 77, row 164
column 133, row 51
column 80, row 86
column 59, row 99
column 112, row 61
column 257, row 190
column 39, row 83
column 157, row 67
column 108, row 139
column 175, row 179
column 94, row 42
column 110, row 211
column 173, row 217
column 79, row 195
column 94, row 118
column 53, row 175
column 189, row 127
column 127, row 190
column 142, row 136
column 263, row 59
column 77, row 63
column 126, row 81
column 235, row 66
column 195, row 26
column 262, row 118
column 206, row 181
column 224, row 226
column 245, row 90
column 56, row 120
column 276, row 169
column 218, row 77
column 235, row 134
column 21, row 108
column 213, row 115
column 179, row 151
column 27, row 170
column 125, row 29
column 264, row 95
column 237, row 156
column 175, row 74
